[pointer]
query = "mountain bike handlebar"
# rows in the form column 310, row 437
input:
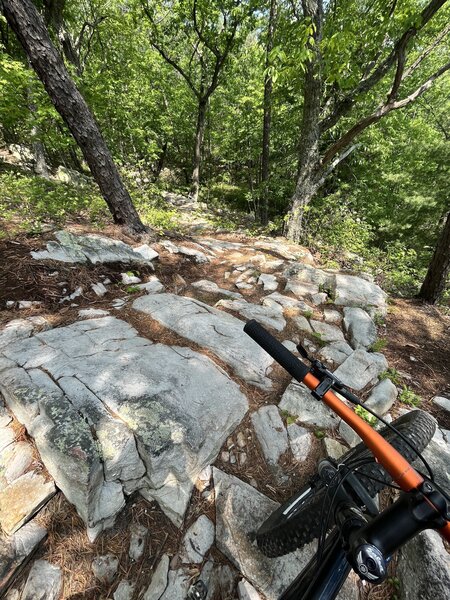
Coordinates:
column 395, row 464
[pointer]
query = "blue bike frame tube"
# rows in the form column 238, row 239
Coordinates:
column 321, row 582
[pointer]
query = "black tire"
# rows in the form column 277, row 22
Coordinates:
column 298, row 521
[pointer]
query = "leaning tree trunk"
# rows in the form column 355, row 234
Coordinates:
column 29, row 27
column 309, row 158
column 439, row 268
column 199, row 134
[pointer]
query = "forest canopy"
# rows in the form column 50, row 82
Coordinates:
column 328, row 121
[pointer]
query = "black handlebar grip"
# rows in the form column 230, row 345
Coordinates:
column 280, row 353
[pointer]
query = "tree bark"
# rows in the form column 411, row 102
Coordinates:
column 199, row 134
column 29, row 27
column 267, row 117
column 309, row 158
column 439, row 268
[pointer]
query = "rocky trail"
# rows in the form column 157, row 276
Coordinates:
column 143, row 435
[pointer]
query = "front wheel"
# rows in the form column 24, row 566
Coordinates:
column 298, row 521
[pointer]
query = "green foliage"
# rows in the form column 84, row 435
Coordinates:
column 392, row 374
column 318, row 338
column 378, row 345
column 308, row 314
column 366, row 416
column 319, row 433
column 407, row 396
column 132, row 289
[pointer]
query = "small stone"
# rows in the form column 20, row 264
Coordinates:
column 443, row 403
column 269, row 282
column 204, row 479
column 159, row 580
column 44, row 582
column 152, row 286
column 25, row 304
column 382, row 397
column 332, row 316
column 225, row 456
column 232, row 458
column 302, row 324
column 336, row 352
column 137, row 541
column 300, row 440
column 240, row 439
column 242, row 458
column 301, row 288
column 241, row 285
column 10, row 304
column 130, row 278
column 124, row 591
column 361, row 368
column 210, row 287
column 227, row 274
column 92, row 313
column 15, row 460
column 271, row 433
column 105, row 567
column 319, row 298
column 349, row 434
column 99, row 288
column 146, row 252
column 246, row 591
column 360, row 327
column 198, row 540
column 328, row 333
column 334, row 449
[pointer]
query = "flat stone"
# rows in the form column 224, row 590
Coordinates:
column 211, row 328
column 152, row 286
column 336, row 352
column 91, row 248
column 382, row 397
column 297, row 400
column 443, row 403
column 348, row 434
column 327, row 332
column 319, row 298
column 361, row 368
column 301, row 289
column 105, row 567
column 92, row 313
column 198, row 540
column 210, row 287
column 15, row 460
column 99, row 289
column 350, row 290
column 178, row 584
column 333, row 448
column 146, row 251
column 44, row 582
column 240, row 510
column 138, row 537
column 16, row 550
column 269, row 282
column 124, row 591
column 21, row 499
column 271, row 433
column 292, row 304
column 246, row 591
column 332, row 316
column 130, row 278
column 424, row 568
column 300, row 441
column 360, row 328
column 302, row 324
column 159, row 580
column 266, row 315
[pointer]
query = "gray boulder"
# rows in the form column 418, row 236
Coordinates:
column 327, row 332
column 336, row 352
column 361, row 368
column 297, row 400
column 44, row 582
column 382, row 397
column 271, row 433
column 198, row 540
column 350, row 290
column 360, row 328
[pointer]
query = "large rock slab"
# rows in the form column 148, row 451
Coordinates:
column 297, row 401
column 111, row 412
column 213, row 329
column 93, row 248
column 16, row 550
column 350, row 290
column 361, row 368
column 240, row 510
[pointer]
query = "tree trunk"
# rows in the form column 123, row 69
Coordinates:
column 436, row 277
column 267, row 118
column 309, row 158
column 200, row 131
column 29, row 27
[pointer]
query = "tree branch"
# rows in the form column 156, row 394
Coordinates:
column 379, row 113
column 368, row 82
column 427, row 52
column 334, row 163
